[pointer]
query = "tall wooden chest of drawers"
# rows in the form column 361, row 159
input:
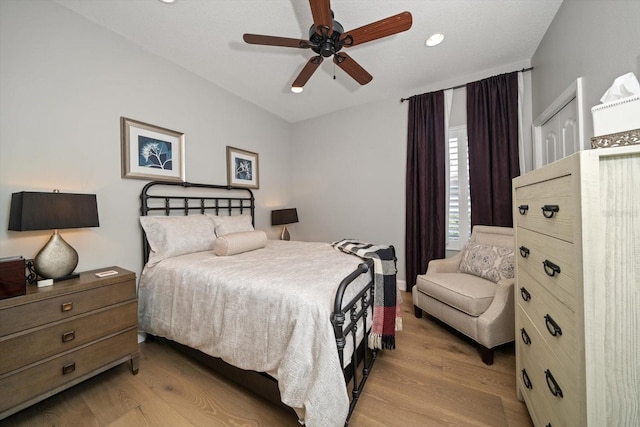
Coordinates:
column 55, row 337
column 577, row 225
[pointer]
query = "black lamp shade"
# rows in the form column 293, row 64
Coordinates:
column 52, row 211
column 284, row 216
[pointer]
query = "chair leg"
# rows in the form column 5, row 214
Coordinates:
column 487, row 355
column 417, row 311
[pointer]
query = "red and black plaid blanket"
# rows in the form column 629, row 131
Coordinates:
column 386, row 310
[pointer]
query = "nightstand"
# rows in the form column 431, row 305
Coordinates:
column 55, row 337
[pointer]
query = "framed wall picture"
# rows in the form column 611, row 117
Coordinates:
column 151, row 152
column 242, row 168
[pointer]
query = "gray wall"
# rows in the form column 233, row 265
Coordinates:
column 353, row 161
column 349, row 169
column 348, row 175
column 596, row 40
column 65, row 83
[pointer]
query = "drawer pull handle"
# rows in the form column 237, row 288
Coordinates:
column 68, row 336
column 67, row 369
column 524, row 251
column 549, row 210
column 550, row 268
column 553, row 328
column 523, row 209
column 526, row 380
column 552, row 384
column 525, row 294
column 67, row 306
column 525, row 336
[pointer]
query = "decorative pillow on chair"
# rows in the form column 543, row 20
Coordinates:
column 231, row 224
column 493, row 263
column 170, row 236
column 237, row 243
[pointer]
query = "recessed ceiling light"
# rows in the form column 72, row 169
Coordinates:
column 167, row 1
column 296, row 89
column 434, row 39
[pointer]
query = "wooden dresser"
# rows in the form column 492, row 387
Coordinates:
column 55, row 337
column 577, row 224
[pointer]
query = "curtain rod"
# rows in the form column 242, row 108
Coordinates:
column 464, row 85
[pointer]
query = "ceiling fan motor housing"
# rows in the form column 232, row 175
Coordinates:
column 323, row 43
column 327, row 38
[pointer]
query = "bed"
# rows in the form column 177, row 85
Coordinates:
column 294, row 314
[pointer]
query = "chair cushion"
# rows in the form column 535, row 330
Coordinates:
column 465, row 292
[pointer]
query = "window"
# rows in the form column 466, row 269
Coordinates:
column 459, row 202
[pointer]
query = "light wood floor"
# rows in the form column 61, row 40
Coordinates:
column 434, row 378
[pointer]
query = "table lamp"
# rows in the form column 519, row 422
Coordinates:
column 53, row 211
column 284, row 217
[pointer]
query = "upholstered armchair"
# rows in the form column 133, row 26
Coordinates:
column 473, row 291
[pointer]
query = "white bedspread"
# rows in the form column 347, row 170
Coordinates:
column 266, row 310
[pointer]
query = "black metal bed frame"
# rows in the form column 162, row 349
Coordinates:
column 357, row 309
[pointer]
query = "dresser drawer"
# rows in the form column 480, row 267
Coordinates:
column 552, row 194
column 541, row 412
column 533, row 328
column 551, row 262
column 27, row 384
column 23, row 348
column 547, row 375
column 42, row 312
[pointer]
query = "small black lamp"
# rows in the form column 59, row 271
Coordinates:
column 284, row 217
column 53, row 211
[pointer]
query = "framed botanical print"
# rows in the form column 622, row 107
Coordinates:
column 242, row 168
column 151, row 152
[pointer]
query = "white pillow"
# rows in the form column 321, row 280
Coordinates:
column 170, row 236
column 237, row 243
column 232, row 224
column 493, row 263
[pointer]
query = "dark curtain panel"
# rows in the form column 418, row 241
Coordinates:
column 425, row 201
column 492, row 129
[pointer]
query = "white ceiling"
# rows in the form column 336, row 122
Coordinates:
column 205, row 37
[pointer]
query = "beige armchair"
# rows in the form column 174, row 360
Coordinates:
column 473, row 291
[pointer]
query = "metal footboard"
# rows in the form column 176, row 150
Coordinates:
column 357, row 309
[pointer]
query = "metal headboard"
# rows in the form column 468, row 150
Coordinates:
column 217, row 199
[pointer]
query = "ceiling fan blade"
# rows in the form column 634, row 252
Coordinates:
column 352, row 68
column 276, row 41
column 307, row 71
column 377, row 30
column 321, row 11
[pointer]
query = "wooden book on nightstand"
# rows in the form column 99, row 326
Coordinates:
column 55, row 337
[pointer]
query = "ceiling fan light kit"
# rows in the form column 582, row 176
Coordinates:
column 327, row 38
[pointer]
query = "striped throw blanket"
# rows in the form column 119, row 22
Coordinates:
column 386, row 310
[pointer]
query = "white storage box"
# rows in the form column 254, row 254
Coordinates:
column 616, row 116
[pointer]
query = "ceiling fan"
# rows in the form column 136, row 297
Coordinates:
column 327, row 37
